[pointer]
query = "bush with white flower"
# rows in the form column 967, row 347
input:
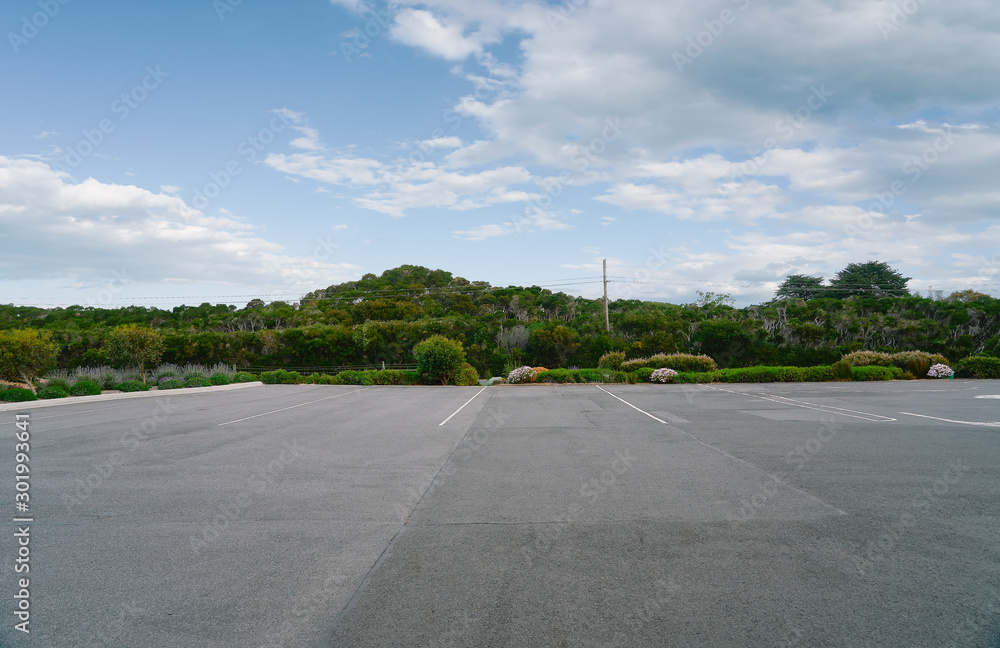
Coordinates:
column 940, row 371
column 663, row 376
column 521, row 375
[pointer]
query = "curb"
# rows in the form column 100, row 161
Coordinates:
column 74, row 400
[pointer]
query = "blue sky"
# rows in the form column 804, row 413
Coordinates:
column 166, row 153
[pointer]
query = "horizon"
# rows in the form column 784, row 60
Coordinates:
column 223, row 151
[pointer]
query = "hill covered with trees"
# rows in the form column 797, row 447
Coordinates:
column 381, row 318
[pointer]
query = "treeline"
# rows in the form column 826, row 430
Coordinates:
column 381, row 318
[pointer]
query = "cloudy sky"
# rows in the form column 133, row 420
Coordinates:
column 166, row 153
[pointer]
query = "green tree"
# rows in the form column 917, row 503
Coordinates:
column 133, row 344
column 800, row 287
column 439, row 359
column 869, row 279
column 25, row 354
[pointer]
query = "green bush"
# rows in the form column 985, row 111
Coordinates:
column 612, row 360
column 842, row 370
column 917, row 362
column 243, row 377
column 439, row 359
column 195, row 381
column 132, row 386
column 867, row 359
column 388, row 377
column 681, row 362
column 467, row 376
column 876, row 373
column 352, row 377
column 978, row 366
column 219, row 379
column 58, row 382
column 642, row 374
column 327, row 379
column 195, row 373
column 52, row 391
column 171, row 383
column 85, row 388
column 17, row 395
column 281, row 377
column 411, row 377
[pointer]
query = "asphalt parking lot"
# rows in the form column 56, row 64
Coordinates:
column 841, row 514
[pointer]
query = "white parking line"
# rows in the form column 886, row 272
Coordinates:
column 632, row 406
column 774, row 478
column 978, row 423
column 462, row 407
column 827, row 409
column 293, row 406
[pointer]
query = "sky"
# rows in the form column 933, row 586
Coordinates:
column 159, row 154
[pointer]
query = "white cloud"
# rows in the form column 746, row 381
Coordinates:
column 88, row 228
column 422, row 29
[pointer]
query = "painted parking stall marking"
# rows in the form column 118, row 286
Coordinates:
column 284, row 409
column 937, row 418
column 828, row 409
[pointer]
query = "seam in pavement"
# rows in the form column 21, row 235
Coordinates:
column 774, row 478
column 387, row 552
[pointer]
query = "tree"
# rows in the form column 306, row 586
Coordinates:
column 26, row 354
column 439, row 359
column 514, row 337
column 553, row 344
column 870, row 279
column 798, row 286
column 132, row 344
column 967, row 296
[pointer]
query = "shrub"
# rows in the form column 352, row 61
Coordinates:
column 26, row 354
column 167, row 371
column 52, row 391
column 243, row 377
column 495, row 380
column 195, row 372
column 612, row 360
column 388, row 377
column 663, row 376
column 133, row 386
column 643, row 373
column 85, row 387
column 222, row 368
column 352, row 377
column 521, row 375
column 979, row 366
column 916, row 362
column 842, row 370
column 219, row 379
column 467, row 376
column 411, row 377
column 875, row 373
column 327, row 379
column 61, row 383
column 940, row 371
column 197, row 382
column 171, row 383
column 17, row 395
column 281, row 377
column 679, row 362
column 867, row 359
column 439, row 359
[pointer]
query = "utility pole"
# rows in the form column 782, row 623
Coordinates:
column 607, row 320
